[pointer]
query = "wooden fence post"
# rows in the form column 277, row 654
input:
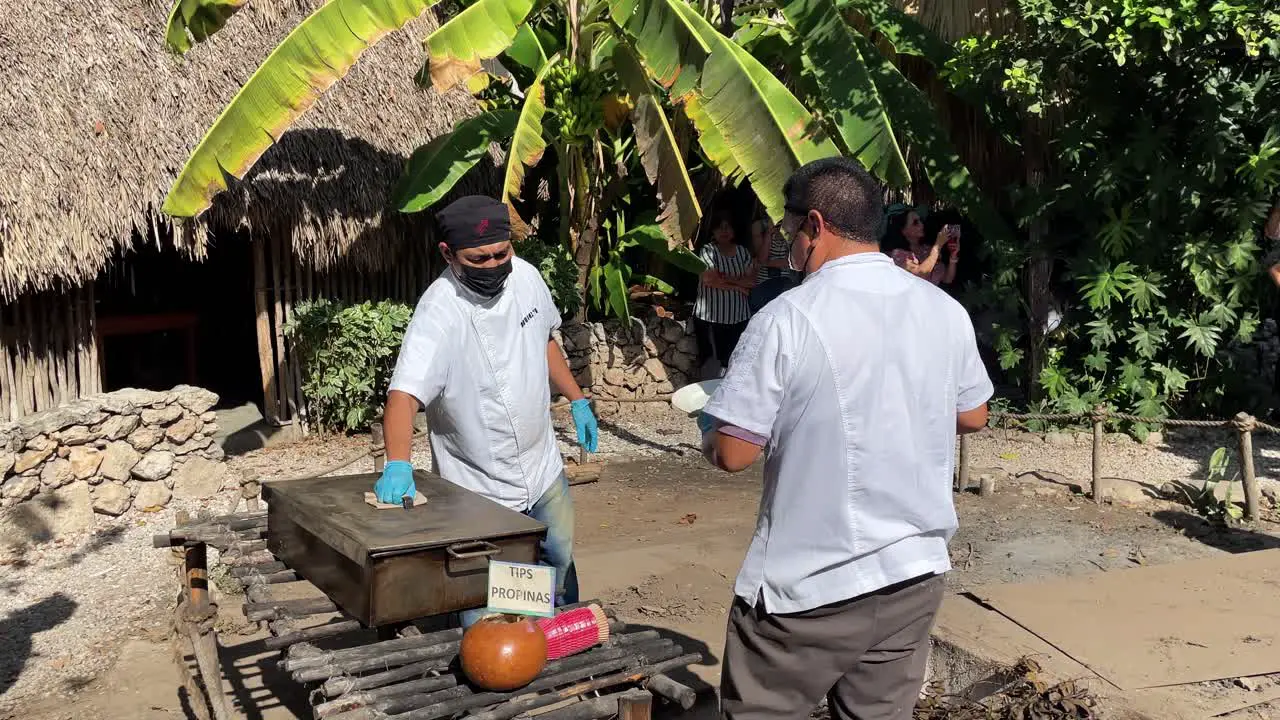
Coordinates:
column 635, row 706
column 1245, row 424
column 962, row 472
column 379, row 447
column 1099, row 417
column 197, row 614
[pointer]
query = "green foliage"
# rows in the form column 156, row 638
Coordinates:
column 1204, row 499
column 1163, row 147
column 557, row 268
column 348, row 353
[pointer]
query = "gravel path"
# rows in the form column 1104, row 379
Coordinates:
column 66, row 608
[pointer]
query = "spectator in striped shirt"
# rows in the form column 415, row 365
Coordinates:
column 773, row 277
column 721, row 311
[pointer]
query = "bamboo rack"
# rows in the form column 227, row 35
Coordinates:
column 410, row 673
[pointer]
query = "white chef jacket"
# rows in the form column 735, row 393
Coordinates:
column 479, row 367
column 855, row 379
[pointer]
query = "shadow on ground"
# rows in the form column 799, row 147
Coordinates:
column 680, row 449
column 1232, row 540
column 20, row 626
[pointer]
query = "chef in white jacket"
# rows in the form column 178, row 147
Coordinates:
column 478, row 356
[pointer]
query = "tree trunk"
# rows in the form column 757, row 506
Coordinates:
column 1039, row 273
column 583, row 224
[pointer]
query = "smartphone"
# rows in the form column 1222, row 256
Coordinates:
column 953, row 232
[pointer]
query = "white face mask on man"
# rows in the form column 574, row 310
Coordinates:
column 802, row 268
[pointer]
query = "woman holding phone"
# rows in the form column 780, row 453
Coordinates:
column 904, row 242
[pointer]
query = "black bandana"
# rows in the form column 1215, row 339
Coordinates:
column 473, row 221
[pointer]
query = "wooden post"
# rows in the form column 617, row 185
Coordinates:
column 8, row 410
column 635, row 706
column 1099, row 417
column 962, row 471
column 379, row 447
column 1245, row 425
column 96, row 373
column 987, row 485
column 197, row 574
column 198, row 615
column 283, row 381
column 265, row 362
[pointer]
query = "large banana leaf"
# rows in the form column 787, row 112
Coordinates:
column 528, row 144
column 711, row 141
column 855, row 107
column 615, row 282
column 480, row 32
column 198, row 20
column 652, row 238
column 436, row 167
column 526, row 50
column 912, row 111
column 678, row 209
column 672, row 48
column 306, row 63
column 768, row 131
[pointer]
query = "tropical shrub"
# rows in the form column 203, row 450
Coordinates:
column 1162, row 140
column 347, row 354
column 558, row 270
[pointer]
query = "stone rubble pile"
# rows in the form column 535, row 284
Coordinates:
column 651, row 357
column 124, row 449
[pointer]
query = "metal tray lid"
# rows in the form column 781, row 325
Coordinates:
column 334, row 510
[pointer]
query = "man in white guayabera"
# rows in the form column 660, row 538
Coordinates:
column 854, row 385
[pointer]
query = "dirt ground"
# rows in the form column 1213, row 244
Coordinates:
column 660, row 538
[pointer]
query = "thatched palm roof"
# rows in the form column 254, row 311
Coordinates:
column 955, row 19
column 97, row 117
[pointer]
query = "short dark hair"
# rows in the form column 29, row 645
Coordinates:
column 847, row 196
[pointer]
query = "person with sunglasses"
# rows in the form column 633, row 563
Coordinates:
column 774, row 277
column 853, row 386
column 479, row 356
column 904, row 242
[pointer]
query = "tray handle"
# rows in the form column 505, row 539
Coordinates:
column 472, row 549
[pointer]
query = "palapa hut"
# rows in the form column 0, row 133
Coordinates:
column 96, row 119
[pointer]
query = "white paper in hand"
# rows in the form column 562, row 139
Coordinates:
column 691, row 399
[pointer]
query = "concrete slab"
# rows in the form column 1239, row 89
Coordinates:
column 242, row 428
column 973, row 645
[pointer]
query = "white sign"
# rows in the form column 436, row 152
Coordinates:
column 522, row 589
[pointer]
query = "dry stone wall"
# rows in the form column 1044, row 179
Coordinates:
column 107, row 454
column 648, row 358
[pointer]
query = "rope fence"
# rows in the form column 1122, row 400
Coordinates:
column 1244, row 425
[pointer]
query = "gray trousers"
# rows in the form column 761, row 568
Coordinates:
column 866, row 655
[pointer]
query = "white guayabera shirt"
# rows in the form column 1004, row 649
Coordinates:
column 853, row 380
column 480, row 370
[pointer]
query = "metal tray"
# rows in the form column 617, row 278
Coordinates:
column 394, row 565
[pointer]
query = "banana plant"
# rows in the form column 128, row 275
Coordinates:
column 600, row 87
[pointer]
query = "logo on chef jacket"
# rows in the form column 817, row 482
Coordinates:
column 528, row 316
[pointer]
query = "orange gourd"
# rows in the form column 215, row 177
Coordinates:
column 503, row 652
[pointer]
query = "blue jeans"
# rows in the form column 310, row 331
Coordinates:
column 555, row 510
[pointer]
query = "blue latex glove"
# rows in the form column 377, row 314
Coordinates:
column 585, row 423
column 395, row 483
column 706, row 423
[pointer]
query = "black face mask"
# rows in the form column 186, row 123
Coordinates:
column 485, row 282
